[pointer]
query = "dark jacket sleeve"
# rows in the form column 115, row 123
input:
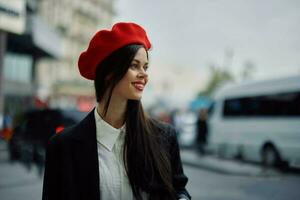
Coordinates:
column 52, row 183
column 179, row 178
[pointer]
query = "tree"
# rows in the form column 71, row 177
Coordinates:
column 218, row 77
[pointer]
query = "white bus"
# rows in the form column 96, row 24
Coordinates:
column 258, row 121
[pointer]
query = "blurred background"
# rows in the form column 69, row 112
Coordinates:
column 226, row 74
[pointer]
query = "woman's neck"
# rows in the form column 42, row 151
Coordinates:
column 115, row 112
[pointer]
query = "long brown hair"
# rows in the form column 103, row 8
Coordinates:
column 147, row 164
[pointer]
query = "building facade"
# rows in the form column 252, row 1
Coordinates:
column 59, row 80
column 38, row 63
column 27, row 39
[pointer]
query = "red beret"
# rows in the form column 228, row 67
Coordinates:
column 104, row 42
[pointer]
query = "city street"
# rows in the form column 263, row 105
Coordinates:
column 208, row 185
column 137, row 88
column 18, row 182
column 203, row 184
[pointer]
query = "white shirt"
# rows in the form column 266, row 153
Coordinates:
column 114, row 183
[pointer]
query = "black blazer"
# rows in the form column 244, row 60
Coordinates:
column 72, row 170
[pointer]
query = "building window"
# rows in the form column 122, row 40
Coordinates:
column 17, row 67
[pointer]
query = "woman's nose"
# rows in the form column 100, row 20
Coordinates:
column 142, row 74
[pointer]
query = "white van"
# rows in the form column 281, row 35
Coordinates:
column 258, row 121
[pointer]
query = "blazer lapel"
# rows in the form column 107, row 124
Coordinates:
column 85, row 158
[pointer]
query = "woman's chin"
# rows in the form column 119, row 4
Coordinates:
column 136, row 97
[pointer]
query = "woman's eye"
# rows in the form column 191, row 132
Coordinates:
column 133, row 66
column 146, row 67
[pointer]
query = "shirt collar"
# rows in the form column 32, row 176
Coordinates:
column 107, row 135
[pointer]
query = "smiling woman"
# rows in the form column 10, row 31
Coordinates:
column 132, row 84
column 117, row 151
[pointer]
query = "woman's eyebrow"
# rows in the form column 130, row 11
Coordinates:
column 139, row 61
column 136, row 60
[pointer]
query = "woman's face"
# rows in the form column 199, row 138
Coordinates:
column 131, row 86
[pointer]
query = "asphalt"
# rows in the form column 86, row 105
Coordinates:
column 15, row 174
column 3, row 151
column 224, row 166
column 189, row 157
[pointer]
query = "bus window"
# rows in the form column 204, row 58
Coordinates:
column 274, row 105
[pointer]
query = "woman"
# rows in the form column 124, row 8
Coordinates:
column 116, row 152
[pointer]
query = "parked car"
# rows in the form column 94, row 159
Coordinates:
column 31, row 136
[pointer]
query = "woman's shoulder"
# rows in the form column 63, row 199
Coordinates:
column 164, row 128
column 62, row 136
column 167, row 136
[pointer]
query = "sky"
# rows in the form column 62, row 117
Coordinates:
column 188, row 36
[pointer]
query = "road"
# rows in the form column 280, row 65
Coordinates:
column 19, row 183
column 208, row 185
column 203, row 184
